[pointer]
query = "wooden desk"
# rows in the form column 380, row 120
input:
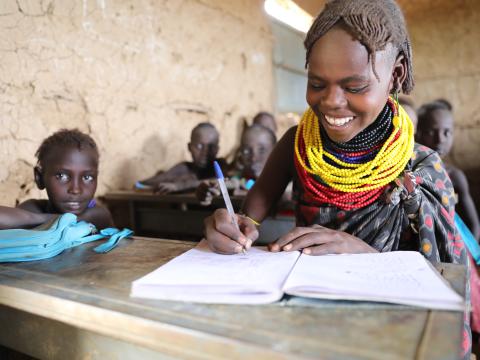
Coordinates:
column 178, row 216
column 77, row 306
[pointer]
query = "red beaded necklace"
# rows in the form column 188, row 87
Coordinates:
column 318, row 193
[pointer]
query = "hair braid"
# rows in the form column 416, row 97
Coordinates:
column 375, row 23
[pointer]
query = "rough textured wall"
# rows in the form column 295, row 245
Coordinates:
column 445, row 38
column 136, row 74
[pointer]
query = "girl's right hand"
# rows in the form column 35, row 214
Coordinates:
column 222, row 236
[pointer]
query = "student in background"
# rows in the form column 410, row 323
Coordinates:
column 255, row 146
column 435, row 130
column 203, row 147
column 265, row 119
column 262, row 118
column 15, row 218
column 409, row 106
column 67, row 169
column 257, row 143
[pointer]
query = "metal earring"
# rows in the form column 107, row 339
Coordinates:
column 395, row 94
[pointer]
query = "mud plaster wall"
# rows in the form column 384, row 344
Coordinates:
column 135, row 74
column 445, row 39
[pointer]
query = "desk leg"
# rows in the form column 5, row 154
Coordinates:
column 133, row 220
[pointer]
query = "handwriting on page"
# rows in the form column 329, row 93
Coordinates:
column 202, row 267
column 388, row 275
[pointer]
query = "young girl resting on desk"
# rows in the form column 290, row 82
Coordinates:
column 203, row 147
column 255, row 146
column 363, row 184
column 68, row 169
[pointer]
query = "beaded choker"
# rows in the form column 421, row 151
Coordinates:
column 354, row 174
column 371, row 137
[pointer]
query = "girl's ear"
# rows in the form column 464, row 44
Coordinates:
column 38, row 176
column 399, row 74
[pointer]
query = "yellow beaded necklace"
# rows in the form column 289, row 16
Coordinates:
column 387, row 165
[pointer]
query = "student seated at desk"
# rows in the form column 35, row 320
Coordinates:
column 67, row 169
column 255, row 146
column 15, row 218
column 436, row 130
column 353, row 126
column 203, row 147
column 363, row 184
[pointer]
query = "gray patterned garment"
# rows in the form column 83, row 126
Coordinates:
column 416, row 212
column 421, row 218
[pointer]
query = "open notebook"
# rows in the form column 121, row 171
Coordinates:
column 199, row 275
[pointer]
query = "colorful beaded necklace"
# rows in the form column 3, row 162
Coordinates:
column 354, row 174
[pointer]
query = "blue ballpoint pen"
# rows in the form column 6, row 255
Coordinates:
column 226, row 197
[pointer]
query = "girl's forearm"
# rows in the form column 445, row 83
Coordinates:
column 18, row 218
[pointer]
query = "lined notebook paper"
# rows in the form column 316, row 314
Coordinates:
column 199, row 275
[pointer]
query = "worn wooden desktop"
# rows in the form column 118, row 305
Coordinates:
column 178, row 216
column 77, row 306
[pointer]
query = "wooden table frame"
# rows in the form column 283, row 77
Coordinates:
column 77, row 306
column 179, row 216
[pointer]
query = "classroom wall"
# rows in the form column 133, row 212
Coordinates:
column 445, row 36
column 135, row 74
column 138, row 75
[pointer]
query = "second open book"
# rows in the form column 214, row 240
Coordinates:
column 199, row 275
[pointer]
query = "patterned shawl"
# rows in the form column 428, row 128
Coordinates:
column 422, row 220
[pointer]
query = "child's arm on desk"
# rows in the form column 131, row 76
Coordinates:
column 11, row 218
column 183, row 184
column 170, row 175
column 98, row 215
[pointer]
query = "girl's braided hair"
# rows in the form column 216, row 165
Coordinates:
column 375, row 23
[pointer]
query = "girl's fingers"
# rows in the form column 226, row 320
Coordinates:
column 323, row 249
column 217, row 241
column 289, row 237
column 224, row 224
column 248, row 229
column 305, row 241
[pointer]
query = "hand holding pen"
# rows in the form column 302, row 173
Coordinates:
column 227, row 232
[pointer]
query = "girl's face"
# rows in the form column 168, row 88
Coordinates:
column 437, row 131
column 342, row 89
column 203, row 147
column 254, row 151
column 70, row 178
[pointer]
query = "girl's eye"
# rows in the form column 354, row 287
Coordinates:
column 88, row 178
column 316, row 86
column 246, row 152
column 355, row 90
column 62, row 177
